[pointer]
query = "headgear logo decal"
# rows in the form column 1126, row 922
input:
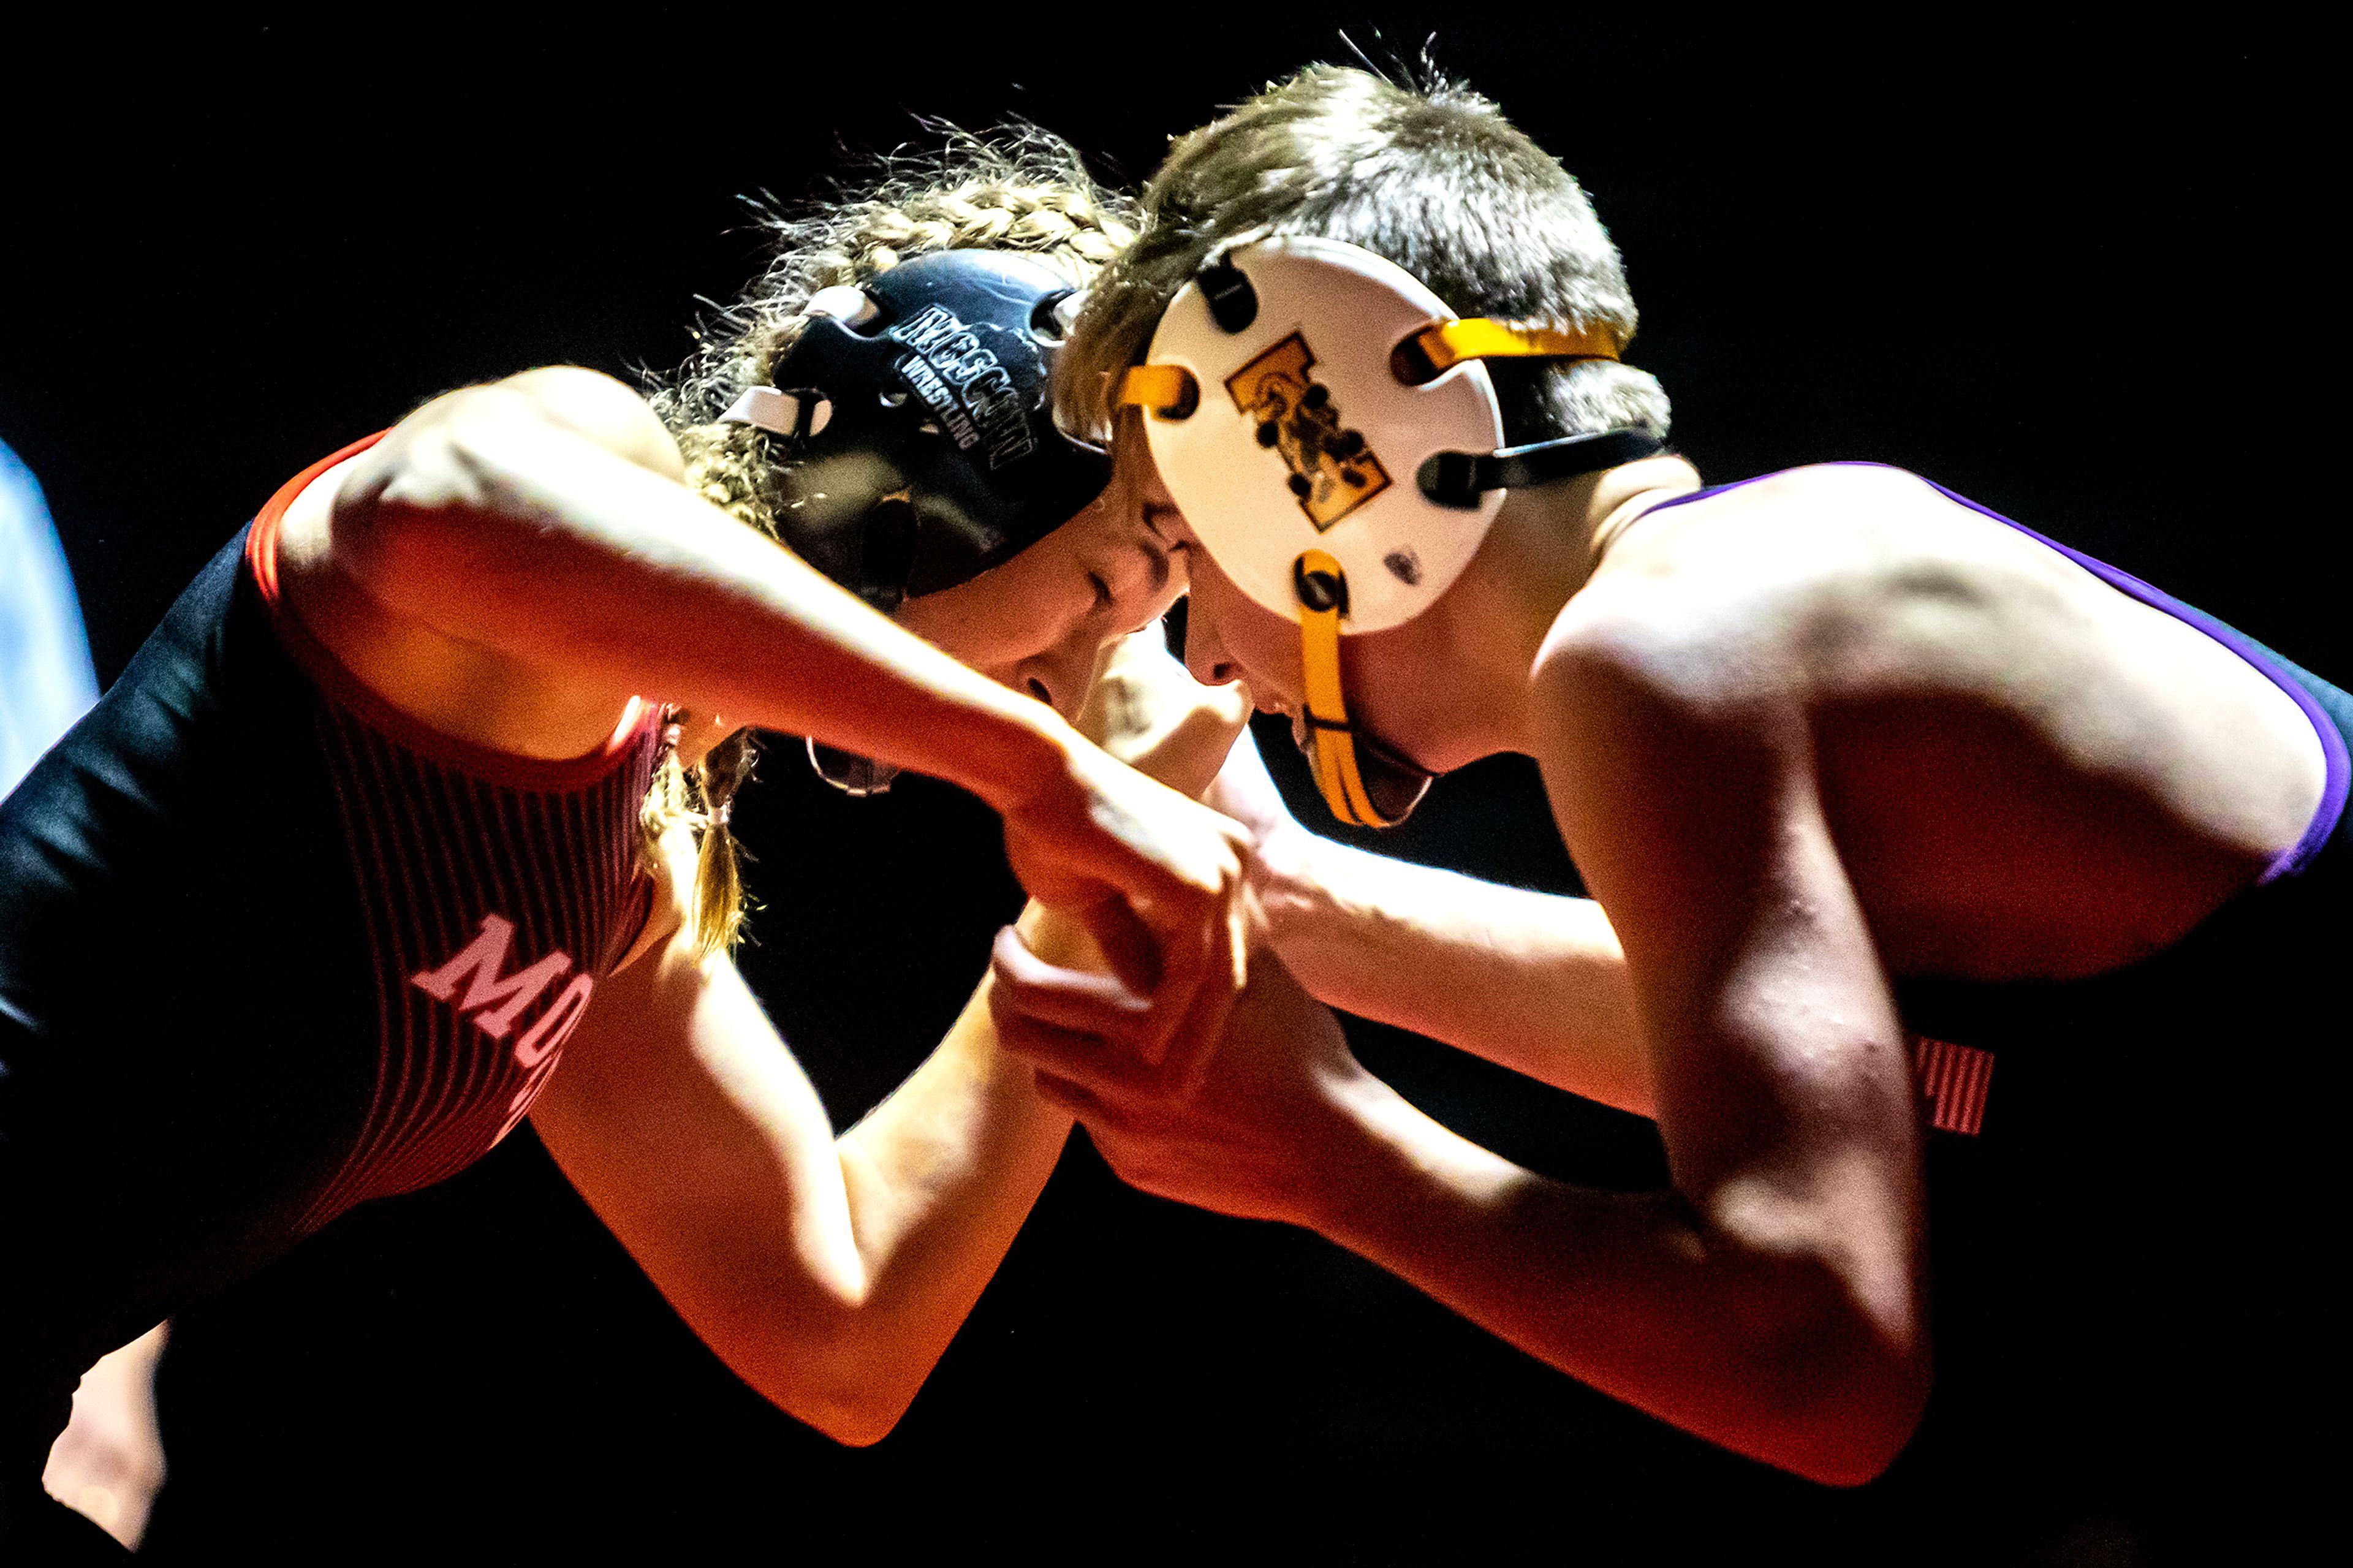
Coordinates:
column 964, row 384
column 1333, row 472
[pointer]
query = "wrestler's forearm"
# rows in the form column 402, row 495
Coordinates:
column 1534, row 983
column 829, row 1272
column 500, row 527
column 938, row 1179
column 1629, row 1292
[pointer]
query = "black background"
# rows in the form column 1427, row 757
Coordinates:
column 2066, row 270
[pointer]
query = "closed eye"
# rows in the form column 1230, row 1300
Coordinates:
column 1102, row 590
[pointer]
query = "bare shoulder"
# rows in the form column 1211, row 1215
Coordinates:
column 581, row 402
column 1717, row 625
column 609, row 413
column 419, row 452
column 1771, row 532
column 363, row 551
column 1768, row 588
column 1687, row 598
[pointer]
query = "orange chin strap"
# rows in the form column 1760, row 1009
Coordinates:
column 1323, row 595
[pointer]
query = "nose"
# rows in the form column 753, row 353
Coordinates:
column 1058, row 677
column 1205, row 658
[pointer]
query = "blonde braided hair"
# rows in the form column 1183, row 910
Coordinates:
column 1019, row 188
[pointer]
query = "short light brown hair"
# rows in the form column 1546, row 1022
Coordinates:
column 1425, row 173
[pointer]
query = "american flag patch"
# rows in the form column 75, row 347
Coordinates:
column 1954, row 1081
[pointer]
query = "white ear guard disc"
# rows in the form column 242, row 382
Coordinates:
column 1304, row 437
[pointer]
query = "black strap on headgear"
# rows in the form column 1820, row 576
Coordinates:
column 938, row 456
column 1457, row 478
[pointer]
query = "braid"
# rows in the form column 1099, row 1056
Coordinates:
column 1019, row 188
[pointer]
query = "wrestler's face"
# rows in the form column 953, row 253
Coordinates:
column 1036, row 623
column 1229, row 636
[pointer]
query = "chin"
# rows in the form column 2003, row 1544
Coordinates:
column 1440, row 755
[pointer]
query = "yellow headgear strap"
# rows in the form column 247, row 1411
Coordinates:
column 1171, row 390
column 1168, row 389
column 1448, row 343
column 1322, row 594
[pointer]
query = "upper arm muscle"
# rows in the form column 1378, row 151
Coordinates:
column 681, row 1117
column 424, row 466
column 1776, row 1054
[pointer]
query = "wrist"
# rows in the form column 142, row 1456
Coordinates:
column 1025, row 754
column 1287, row 882
column 1399, row 1173
column 1353, row 1155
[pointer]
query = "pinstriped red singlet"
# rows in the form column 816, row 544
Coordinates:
column 496, row 891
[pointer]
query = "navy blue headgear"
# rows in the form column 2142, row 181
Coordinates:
column 922, row 447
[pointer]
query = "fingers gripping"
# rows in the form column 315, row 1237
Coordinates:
column 1070, row 998
column 1159, row 889
column 1087, row 1029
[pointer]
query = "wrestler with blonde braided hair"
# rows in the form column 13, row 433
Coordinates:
column 498, row 664
column 1034, row 624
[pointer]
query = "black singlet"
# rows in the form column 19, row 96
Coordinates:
column 267, row 949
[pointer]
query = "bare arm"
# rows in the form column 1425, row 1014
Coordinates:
column 830, row 1276
column 829, row 1273
column 1771, row 1298
column 543, row 519
column 1633, row 1293
column 541, row 523
column 1532, row 982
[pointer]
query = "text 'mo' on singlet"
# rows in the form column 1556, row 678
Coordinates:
column 270, row 948
column 495, row 890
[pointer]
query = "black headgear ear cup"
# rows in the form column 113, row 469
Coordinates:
column 1233, row 303
column 893, row 534
column 939, row 399
column 920, row 446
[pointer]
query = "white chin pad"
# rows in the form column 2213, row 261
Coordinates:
column 1305, row 438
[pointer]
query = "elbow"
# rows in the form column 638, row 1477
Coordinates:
column 1828, row 1320
column 852, row 1423
column 857, row 1406
column 848, row 1391
column 1849, row 1440
column 1839, row 1389
column 1831, row 1341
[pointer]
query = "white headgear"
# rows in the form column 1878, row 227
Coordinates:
column 1322, row 420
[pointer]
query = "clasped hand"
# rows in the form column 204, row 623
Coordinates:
column 1232, row 1112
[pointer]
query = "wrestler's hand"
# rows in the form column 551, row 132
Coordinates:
column 1283, row 848
column 1155, row 880
column 1266, row 1130
column 1245, row 791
